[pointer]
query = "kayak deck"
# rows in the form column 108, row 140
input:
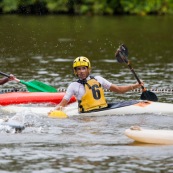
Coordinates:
column 133, row 107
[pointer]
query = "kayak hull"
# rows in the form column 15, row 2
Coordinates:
column 150, row 136
column 142, row 107
column 32, row 97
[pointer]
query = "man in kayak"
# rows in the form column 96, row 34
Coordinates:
column 88, row 89
column 6, row 79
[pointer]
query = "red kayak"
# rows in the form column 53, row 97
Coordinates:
column 32, row 97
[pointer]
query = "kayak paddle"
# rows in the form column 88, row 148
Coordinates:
column 34, row 86
column 122, row 57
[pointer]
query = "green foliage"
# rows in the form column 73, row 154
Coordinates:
column 98, row 6
column 92, row 7
column 32, row 6
column 168, row 7
column 9, row 5
column 57, row 6
column 102, row 8
column 143, row 7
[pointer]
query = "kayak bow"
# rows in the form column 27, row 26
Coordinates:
column 150, row 136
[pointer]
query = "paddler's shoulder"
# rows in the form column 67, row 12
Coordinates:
column 99, row 78
column 74, row 84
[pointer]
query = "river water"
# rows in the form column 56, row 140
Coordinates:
column 43, row 48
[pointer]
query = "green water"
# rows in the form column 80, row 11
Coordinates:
column 43, row 47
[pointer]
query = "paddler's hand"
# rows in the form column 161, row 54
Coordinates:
column 12, row 77
column 60, row 106
column 137, row 85
column 57, row 108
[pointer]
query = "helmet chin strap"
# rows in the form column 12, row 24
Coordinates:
column 83, row 81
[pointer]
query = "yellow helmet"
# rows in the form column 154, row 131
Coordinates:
column 81, row 61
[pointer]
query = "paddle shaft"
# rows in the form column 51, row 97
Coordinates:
column 123, row 55
column 34, row 86
column 132, row 70
column 4, row 74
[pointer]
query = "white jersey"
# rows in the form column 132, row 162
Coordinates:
column 78, row 90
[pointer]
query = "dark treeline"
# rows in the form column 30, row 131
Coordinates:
column 87, row 7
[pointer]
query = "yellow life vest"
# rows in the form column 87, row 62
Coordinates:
column 93, row 98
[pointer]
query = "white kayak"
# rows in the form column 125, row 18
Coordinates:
column 120, row 108
column 150, row 136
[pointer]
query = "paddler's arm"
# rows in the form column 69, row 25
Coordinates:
column 123, row 89
column 62, row 104
column 69, row 93
column 7, row 79
column 3, row 80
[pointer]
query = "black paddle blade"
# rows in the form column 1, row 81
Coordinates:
column 122, row 54
column 148, row 95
